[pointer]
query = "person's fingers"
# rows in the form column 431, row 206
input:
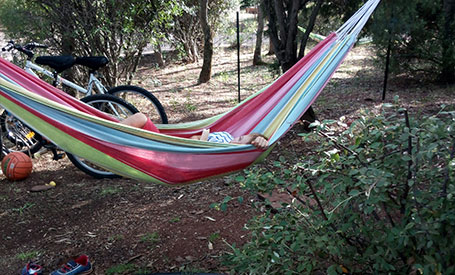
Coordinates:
column 260, row 142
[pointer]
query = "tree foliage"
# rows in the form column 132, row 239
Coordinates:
column 421, row 34
column 120, row 30
column 186, row 34
column 377, row 199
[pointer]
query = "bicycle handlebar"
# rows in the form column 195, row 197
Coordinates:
column 27, row 49
column 33, row 45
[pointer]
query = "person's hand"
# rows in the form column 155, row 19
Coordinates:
column 260, row 143
column 205, row 134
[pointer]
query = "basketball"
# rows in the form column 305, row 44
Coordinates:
column 17, row 166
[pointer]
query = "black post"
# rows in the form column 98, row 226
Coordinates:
column 238, row 55
column 1, row 144
column 386, row 74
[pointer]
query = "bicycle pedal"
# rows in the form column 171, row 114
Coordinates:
column 59, row 156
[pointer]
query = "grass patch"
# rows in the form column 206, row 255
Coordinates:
column 23, row 208
column 27, row 256
column 189, row 106
column 151, row 238
column 109, row 191
column 214, row 236
column 114, row 238
column 174, row 220
column 121, row 269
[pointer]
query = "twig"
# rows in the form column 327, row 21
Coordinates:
column 392, row 198
column 342, row 147
column 317, row 199
column 347, row 239
column 388, row 214
column 446, row 172
column 404, row 196
column 299, row 199
column 416, row 165
column 385, row 155
column 134, row 258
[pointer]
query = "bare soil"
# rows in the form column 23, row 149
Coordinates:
column 127, row 226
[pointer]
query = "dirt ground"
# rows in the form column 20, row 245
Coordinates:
column 128, row 227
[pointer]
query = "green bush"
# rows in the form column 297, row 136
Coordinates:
column 420, row 34
column 378, row 198
column 119, row 30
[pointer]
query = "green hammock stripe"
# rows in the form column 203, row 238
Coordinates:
column 70, row 144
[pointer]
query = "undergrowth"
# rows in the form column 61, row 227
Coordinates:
column 375, row 197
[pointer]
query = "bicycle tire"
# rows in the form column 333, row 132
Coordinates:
column 141, row 99
column 17, row 136
column 100, row 101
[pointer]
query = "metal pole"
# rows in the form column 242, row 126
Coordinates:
column 238, row 56
column 386, row 74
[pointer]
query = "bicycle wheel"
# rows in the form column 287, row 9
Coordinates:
column 114, row 106
column 143, row 100
column 17, row 136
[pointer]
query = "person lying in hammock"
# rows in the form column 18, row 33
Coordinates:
column 139, row 120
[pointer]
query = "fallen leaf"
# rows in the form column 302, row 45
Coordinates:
column 190, row 258
column 179, row 259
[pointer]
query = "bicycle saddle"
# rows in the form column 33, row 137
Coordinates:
column 93, row 62
column 58, row 63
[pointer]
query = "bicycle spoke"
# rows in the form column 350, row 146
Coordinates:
column 143, row 100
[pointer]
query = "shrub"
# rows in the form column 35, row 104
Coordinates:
column 119, row 30
column 378, row 198
column 420, row 34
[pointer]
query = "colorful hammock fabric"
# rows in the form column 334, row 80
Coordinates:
column 169, row 157
column 319, row 37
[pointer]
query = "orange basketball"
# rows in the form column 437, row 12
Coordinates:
column 16, row 166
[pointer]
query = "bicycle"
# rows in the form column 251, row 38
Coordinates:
column 21, row 138
column 139, row 97
column 107, row 103
column 121, row 110
column 17, row 136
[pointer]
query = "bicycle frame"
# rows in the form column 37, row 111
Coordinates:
column 31, row 67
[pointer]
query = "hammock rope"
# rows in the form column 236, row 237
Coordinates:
column 169, row 157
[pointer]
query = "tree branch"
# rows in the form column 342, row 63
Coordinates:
column 341, row 146
column 317, row 200
column 299, row 199
column 291, row 42
column 446, row 171
column 404, row 196
column 281, row 20
column 309, row 28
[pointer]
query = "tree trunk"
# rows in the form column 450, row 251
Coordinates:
column 283, row 20
column 448, row 55
column 206, row 71
column 283, row 30
column 271, row 48
column 159, row 55
column 257, row 60
column 309, row 28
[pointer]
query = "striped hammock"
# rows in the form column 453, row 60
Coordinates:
column 169, row 157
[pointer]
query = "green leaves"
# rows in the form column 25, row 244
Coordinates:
column 119, row 30
column 417, row 32
column 373, row 202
